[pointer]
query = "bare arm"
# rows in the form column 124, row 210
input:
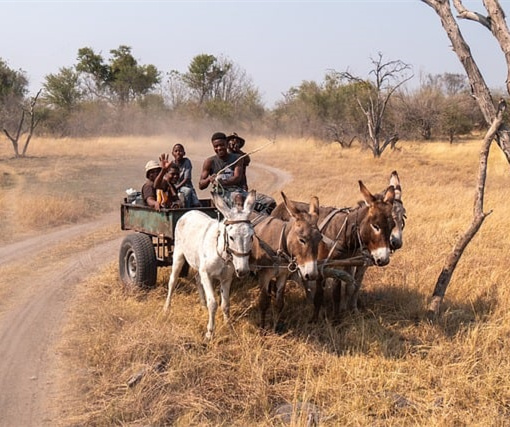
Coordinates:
column 153, row 203
column 158, row 182
column 165, row 165
column 205, row 178
column 148, row 194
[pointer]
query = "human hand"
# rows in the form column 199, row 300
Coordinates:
column 164, row 161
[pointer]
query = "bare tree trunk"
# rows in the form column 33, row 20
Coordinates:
column 14, row 139
column 478, row 217
column 495, row 22
column 478, row 87
column 33, row 124
column 389, row 76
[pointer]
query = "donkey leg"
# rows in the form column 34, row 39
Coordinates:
column 358, row 278
column 264, row 297
column 212, row 305
column 225, row 297
column 177, row 263
column 200, row 289
column 280, row 300
column 343, row 296
column 336, row 295
column 318, row 299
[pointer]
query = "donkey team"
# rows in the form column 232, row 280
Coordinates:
column 304, row 240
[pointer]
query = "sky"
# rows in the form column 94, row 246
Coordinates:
column 279, row 44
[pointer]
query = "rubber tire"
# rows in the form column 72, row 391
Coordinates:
column 137, row 261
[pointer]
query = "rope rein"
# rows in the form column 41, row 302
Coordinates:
column 280, row 254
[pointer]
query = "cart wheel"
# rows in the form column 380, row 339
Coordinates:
column 137, row 261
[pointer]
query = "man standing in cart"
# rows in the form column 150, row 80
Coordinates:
column 224, row 171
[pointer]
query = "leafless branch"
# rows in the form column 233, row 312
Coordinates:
column 472, row 16
column 478, row 217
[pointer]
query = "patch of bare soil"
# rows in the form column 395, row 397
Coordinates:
column 38, row 279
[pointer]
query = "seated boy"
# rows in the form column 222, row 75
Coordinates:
column 167, row 194
column 184, row 184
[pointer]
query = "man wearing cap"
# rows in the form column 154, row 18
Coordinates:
column 264, row 203
column 222, row 170
column 235, row 143
column 152, row 170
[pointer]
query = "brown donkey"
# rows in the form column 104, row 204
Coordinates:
column 396, row 240
column 350, row 232
column 282, row 247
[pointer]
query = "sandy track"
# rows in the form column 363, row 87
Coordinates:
column 29, row 331
column 28, row 247
column 33, row 309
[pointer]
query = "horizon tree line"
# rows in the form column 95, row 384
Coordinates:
column 118, row 95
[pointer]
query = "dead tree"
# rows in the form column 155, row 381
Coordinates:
column 388, row 77
column 498, row 130
column 478, row 217
column 34, row 121
column 495, row 22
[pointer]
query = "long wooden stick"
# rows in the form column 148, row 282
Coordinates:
column 242, row 157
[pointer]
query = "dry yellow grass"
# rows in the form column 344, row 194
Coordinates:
column 67, row 181
column 386, row 366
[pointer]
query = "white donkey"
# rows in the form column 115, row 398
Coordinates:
column 216, row 249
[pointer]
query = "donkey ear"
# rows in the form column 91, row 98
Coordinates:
column 389, row 196
column 367, row 195
column 249, row 203
column 289, row 204
column 395, row 181
column 220, row 204
column 314, row 208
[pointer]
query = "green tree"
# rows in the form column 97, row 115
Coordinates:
column 204, row 76
column 62, row 90
column 15, row 108
column 129, row 81
column 13, row 83
column 13, row 91
column 300, row 111
column 344, row 122
column 97, row 74
column 326, row 110
column 441, row 107
column 214, row 88
column 121, row 80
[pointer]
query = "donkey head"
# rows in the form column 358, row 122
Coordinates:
column 238, row 231
column 303, row 237
column 377, row 224
column 399, row 213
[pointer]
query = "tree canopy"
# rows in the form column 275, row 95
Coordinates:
column 121, row 79
column 13, row 83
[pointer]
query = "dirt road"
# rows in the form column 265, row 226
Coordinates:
column 38, row 278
